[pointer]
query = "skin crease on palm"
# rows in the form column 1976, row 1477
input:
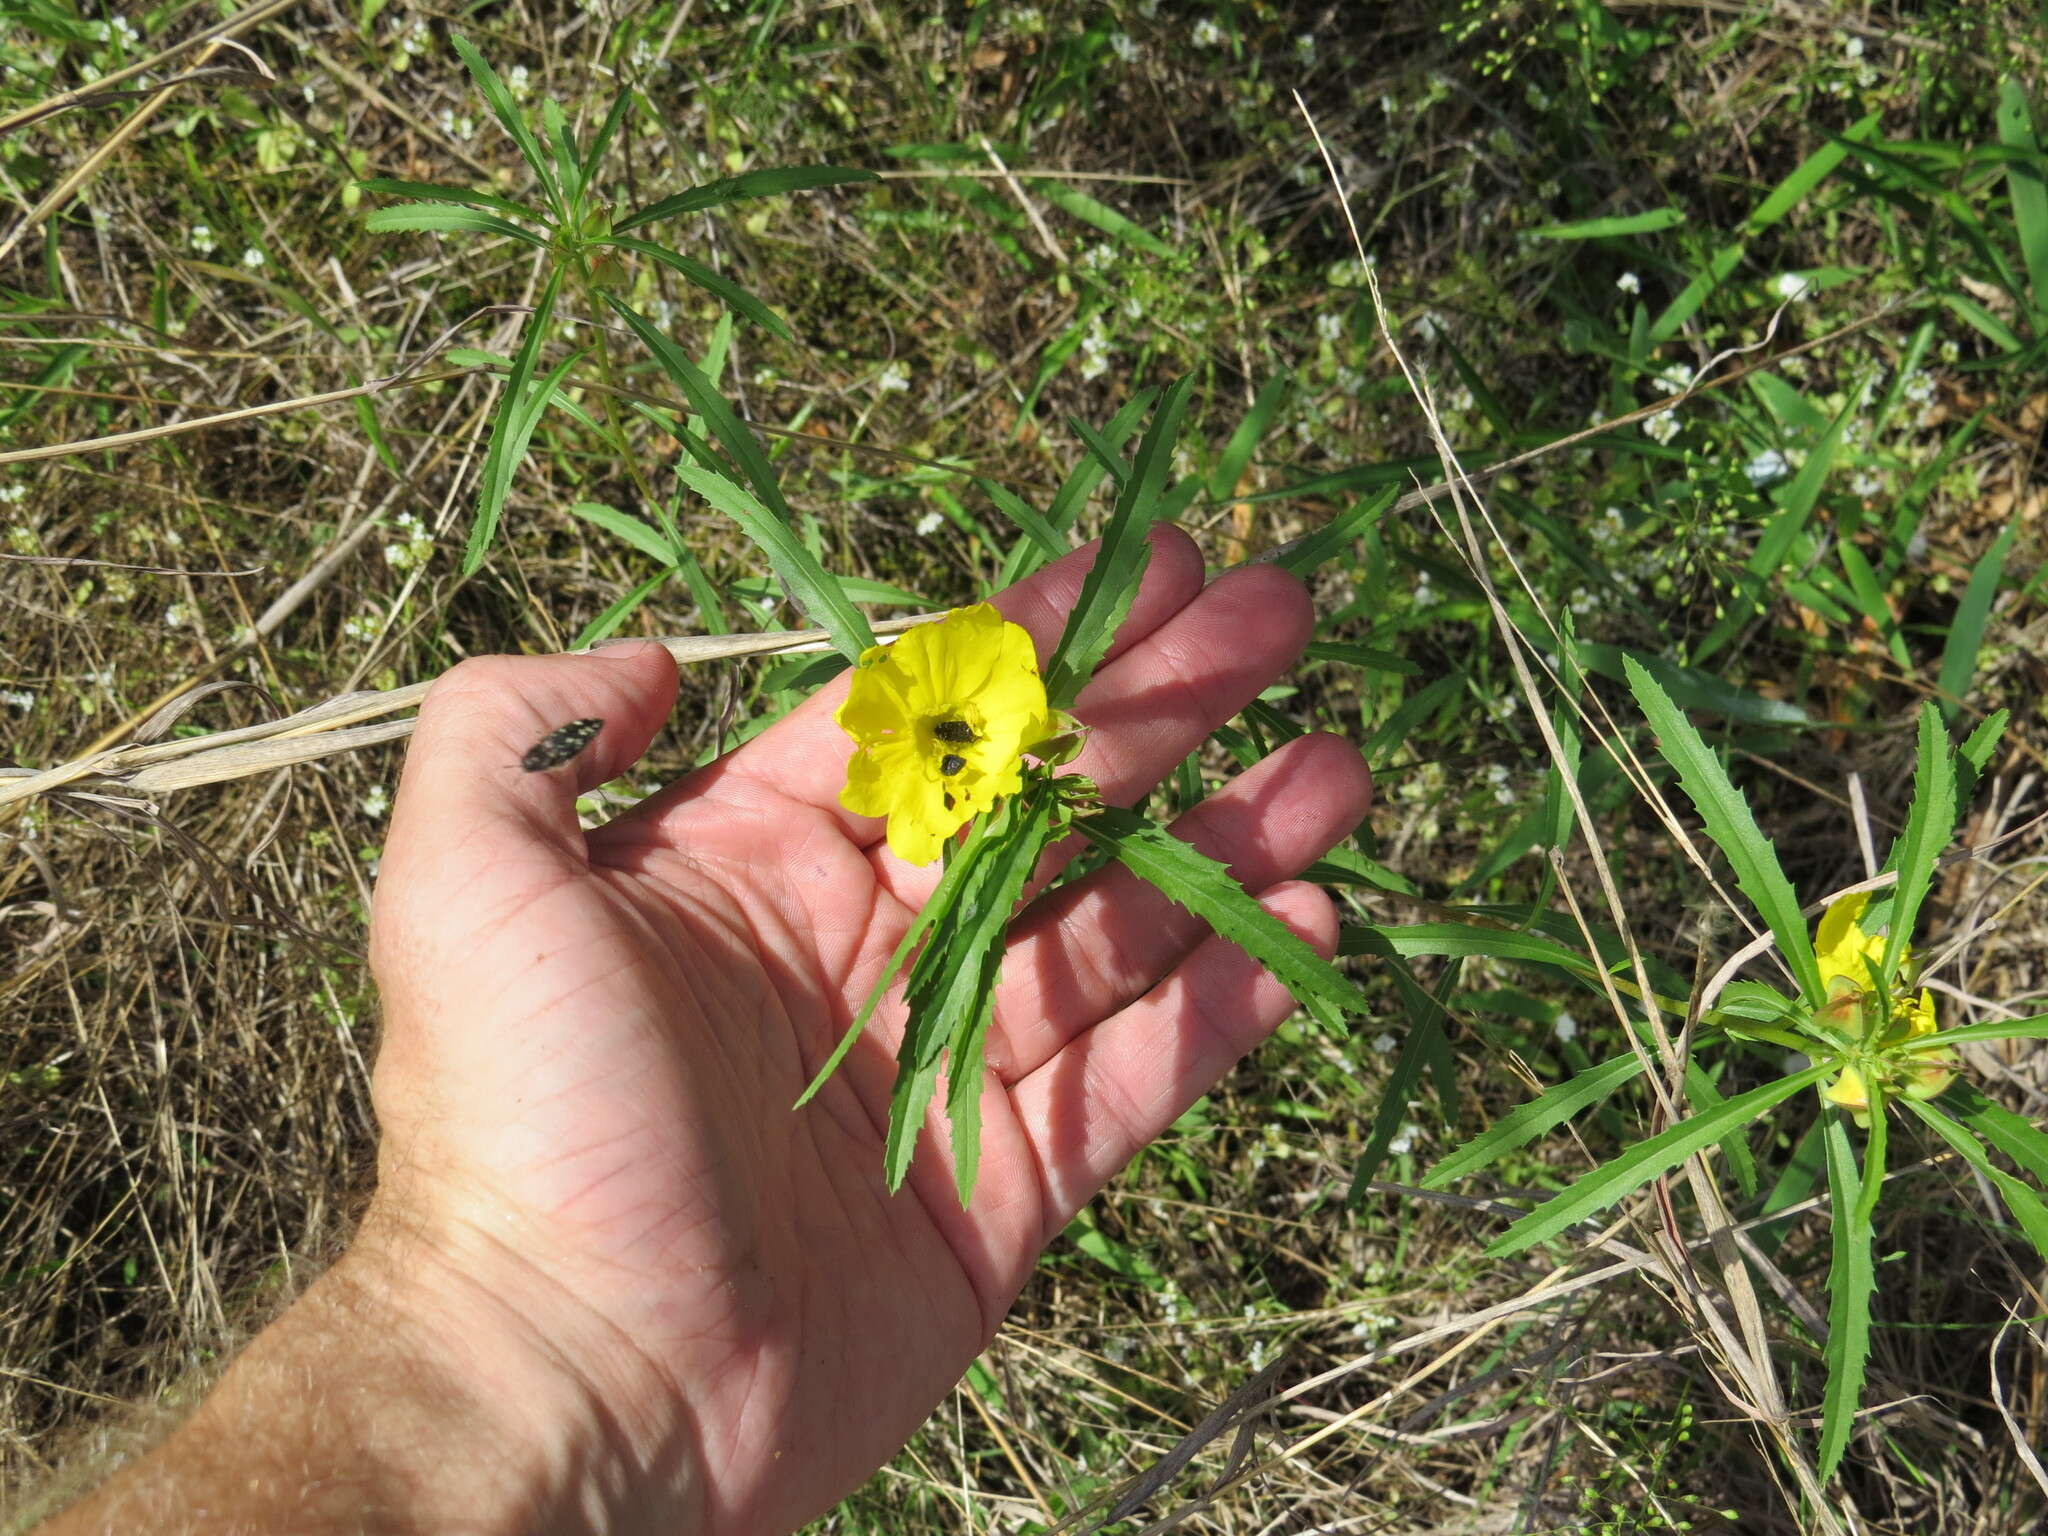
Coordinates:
column 592, row 1042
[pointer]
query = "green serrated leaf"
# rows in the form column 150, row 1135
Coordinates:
column 2024, row 1203
column 430, row 192
column 499, row 99
column 1521, row 1126
column 1731, row 826
column 433, row 216
column 2032, row 1028
column 1851, row 1279
column 728, row 291
column 1641, row 1163
column 1929, row 825
column 500, row 458
column 1112, row 580
column 1203, row 886
column 792, row 178
column 808, row 582
column 2014, row 1135
column 707, row 402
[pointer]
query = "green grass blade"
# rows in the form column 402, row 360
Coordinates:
column 813, row 587
column 623, row 525
column 1929, row 825
column 1731, row 826
column 500, row 460
column 791, row 178
column 1646, row 1159
column 1966, row 629
column 617, row 612
column 499, row 99
column 1117, row 226
column 429, row 192
column 1425, row 1038
column 1237, row 453
column 561, row 143
column 1701, row 1089
column 1112, row 580
column 1521, row 1126
column 2024, row 1203
column 1337, row 535
column 1613, row 227
column 1808, row 175
column 2025, row 187
column 1204, row 887
column 441, row 219
column 729, row 292
column 1851, row 1279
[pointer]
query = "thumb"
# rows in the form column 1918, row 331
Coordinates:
column 469, row 801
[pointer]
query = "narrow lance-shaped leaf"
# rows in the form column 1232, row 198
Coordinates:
column 813, row 587
column 1851, row 1278
column 1521, row 1126
column 1731, row 826
column 499, row 99
column 499, row 459
column 447, row 220
column 1645, row 1160
column 1112, row 580
column 1205, row 888
column 2014, row 1135
column 792, row 178
column 708, row 403
column 730, row 292
column 2025, row 1205
column 430, row 192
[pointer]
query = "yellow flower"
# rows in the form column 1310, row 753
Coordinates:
column 941, row 720
column 1844, row 950
column 1848, row 1091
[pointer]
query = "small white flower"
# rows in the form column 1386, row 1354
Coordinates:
column 1628, row 282
column 1121, row 45
column 201, row 239
column 1497, row 775
column 1404, row 1139
column 1384, row 1042
column 1791, row 286
column 930, row 524
column 1767, row 466
column 1564, row 1026
column 1429, row 325
column 1852, row 47
column 1208, row 34
column 1305, row 48
column 1867, row 483
column 894, row 379
column 359, row 627
column 252, row 258
column 519, row 78
column 1673, row 378
column 20, row 698
column 1330, row 325
column 14, row 491
column 177, row 616
column 1663, row 426
column 376, row 802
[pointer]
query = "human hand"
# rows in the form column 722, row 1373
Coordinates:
column 592, row 1043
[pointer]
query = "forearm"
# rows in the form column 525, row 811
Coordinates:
column 398, row 1395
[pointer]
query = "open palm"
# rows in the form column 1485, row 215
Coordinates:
column 593, row 1041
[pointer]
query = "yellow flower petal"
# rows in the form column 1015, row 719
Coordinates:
column 941, row 721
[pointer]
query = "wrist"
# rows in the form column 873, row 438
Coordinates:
column 563, row 1423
